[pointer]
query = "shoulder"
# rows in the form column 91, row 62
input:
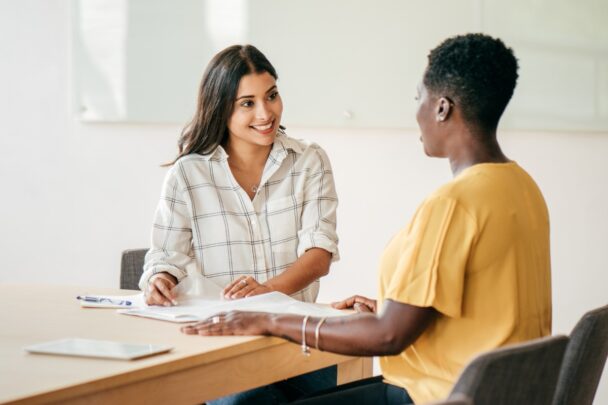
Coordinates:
column 191, row 166
column 306, row 151
column 456, row 197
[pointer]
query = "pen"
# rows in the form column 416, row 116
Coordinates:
column 102, row 300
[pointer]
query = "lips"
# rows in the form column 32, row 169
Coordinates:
column 265, row 128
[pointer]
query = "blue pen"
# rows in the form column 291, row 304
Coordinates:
column 101, row 300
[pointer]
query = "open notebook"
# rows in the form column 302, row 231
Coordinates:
column 194, row 309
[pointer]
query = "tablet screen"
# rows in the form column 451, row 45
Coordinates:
column 97, row 348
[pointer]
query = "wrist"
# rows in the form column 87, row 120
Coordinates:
column 164, row 275
column 270, row 324
column 269, row 285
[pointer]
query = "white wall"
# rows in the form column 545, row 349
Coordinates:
column 74, row 195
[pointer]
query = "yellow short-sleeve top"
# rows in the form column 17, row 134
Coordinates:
column 476, row 250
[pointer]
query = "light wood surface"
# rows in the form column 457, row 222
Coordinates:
column 198, row 368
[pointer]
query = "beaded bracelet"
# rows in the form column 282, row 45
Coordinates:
column 305, row 349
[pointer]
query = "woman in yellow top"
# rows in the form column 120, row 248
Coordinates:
column 471, row 271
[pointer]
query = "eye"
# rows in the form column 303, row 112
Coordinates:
column 247, row 103
column 273, row 95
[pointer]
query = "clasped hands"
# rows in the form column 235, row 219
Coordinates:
column 161, row 289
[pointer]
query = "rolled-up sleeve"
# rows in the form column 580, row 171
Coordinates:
column 319, row 207
column 171, row 246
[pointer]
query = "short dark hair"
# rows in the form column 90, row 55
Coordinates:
column 477, row 72
column 209, row 127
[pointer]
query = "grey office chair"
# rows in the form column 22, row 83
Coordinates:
column 584, row 360
column 525, row 373
column 131, row 268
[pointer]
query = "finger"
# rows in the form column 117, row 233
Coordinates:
column 232, row 285
column 189, row 330
column 361, row 307
column 244, row 291
column 208, row 328
column 344, row 304
column 156, row 298
column 364, row 300
column 242, row 288
column 242, row 283
column 162, row 286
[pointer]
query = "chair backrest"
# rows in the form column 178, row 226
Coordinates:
column 525, row 373
column 131, row 268
column 584, row 359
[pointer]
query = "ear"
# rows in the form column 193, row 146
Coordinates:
column 444, row 109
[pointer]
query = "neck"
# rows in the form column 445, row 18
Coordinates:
column 469, row 150
column 247, row 156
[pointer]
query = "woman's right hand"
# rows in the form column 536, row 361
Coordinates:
column 161, row 291
column 358, row 303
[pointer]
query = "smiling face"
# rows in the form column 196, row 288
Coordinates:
column 257, row 110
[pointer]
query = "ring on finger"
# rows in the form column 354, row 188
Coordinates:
column 215, row 319
column 243, row 281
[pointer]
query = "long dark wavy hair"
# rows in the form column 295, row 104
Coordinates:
column 209, row 127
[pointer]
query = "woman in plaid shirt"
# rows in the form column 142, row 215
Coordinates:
column 249, row 208
column 244, row 205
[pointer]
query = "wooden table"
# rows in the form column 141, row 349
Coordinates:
column 198, row 368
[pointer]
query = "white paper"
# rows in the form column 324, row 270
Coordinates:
column 193, row 309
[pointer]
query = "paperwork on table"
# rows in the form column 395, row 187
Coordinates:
column 194, row 309
column 199, row 298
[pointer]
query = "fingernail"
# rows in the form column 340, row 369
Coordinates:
column 174, row 302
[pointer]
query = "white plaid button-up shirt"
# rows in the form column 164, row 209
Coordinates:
column 207, row 223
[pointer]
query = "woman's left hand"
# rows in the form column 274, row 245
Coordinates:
column 245, row 286
column 231, row 323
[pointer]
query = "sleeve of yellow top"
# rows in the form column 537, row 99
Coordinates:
column 433, row 257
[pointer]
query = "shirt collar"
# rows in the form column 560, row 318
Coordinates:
column 282, row 144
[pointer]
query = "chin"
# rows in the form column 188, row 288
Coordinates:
column 266, row 140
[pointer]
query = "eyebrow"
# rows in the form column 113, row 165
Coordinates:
column 267, row 91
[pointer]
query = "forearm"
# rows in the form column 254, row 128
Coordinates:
column 312, row 265
column 355, row 335
column 365, row 334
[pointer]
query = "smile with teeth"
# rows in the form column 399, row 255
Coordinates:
column 263, row 128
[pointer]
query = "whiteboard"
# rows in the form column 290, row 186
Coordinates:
column 341, row 63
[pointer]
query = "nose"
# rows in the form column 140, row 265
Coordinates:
column 262, row 112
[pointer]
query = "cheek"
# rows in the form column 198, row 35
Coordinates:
column 277, row 108
column 237, row 121
column 420, row 118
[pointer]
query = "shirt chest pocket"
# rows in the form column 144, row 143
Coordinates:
column 284, row 217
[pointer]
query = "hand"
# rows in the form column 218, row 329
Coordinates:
column 160, row 290
column 358, row 303
column 231, row 323
column 245, row 286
